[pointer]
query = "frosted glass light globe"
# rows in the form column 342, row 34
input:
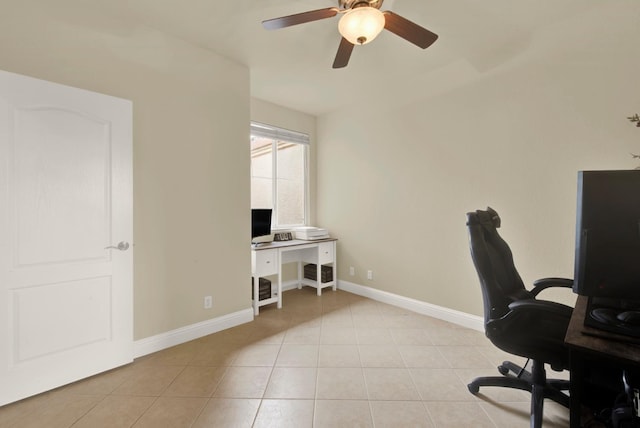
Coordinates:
column 361, row 25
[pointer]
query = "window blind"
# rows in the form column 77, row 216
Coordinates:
column 268, row 131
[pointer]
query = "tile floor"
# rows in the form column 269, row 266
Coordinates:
column 339, row 360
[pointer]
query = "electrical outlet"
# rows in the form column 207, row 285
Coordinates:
column 369, row 274
column 208, row 302
column 352, row 271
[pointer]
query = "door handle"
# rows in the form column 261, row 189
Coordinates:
column 122, row 246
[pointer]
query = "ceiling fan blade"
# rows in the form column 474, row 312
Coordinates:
column 344, row 53
column 299, row 18
column 409, row 31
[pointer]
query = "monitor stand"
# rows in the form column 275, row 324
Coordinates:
column 614, row 315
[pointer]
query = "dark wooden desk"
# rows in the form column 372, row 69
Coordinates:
column 589, row 344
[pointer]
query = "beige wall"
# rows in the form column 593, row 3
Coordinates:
column 394, row 186
column 191, row 153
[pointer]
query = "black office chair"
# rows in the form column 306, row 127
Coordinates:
column 515, row 321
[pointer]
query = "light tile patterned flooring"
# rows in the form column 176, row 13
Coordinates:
column 338, row 360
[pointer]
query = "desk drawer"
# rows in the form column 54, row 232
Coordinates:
column 325, row 252
column 265, row 262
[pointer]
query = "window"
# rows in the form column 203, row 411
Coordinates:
column 279, row 173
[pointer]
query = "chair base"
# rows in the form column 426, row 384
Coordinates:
column 535, row 382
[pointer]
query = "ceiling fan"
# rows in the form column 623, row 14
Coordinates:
column 361, row 22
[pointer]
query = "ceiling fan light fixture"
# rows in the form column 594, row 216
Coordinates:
column 361, row 25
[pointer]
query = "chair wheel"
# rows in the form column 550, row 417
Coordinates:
column 473, row 388
column 504, row 370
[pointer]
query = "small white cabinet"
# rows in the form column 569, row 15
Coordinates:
column 264, row 263
column 323, row 256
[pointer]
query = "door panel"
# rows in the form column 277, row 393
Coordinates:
column 54, row 224
column 66, row 301
column 34, row 314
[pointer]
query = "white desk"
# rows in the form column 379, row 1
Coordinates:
column 267, row 259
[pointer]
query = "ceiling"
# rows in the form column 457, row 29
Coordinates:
column 292, row 66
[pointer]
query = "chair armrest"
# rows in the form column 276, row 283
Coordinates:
column 541, row 306
column 544, row 283
column 531, row 317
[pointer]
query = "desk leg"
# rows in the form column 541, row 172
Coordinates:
column 299, row 274
column 335, row 267
column 279, row 261
column 575, row 389
column 318, row 273
column 255, row 282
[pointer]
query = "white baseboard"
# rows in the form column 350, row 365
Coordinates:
column 289, row 285
column 175, row 337
column 463, row 319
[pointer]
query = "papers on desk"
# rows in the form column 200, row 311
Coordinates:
column 310, row 233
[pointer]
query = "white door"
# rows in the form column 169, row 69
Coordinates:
column 66, row 301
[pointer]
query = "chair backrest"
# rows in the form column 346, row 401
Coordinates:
column 501, row 284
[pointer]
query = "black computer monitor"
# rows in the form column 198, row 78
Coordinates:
column 607, row 253
column 607, row 258
column 260, row 222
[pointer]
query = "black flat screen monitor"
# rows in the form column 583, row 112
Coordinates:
column 260, row 222
column 607, row 253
